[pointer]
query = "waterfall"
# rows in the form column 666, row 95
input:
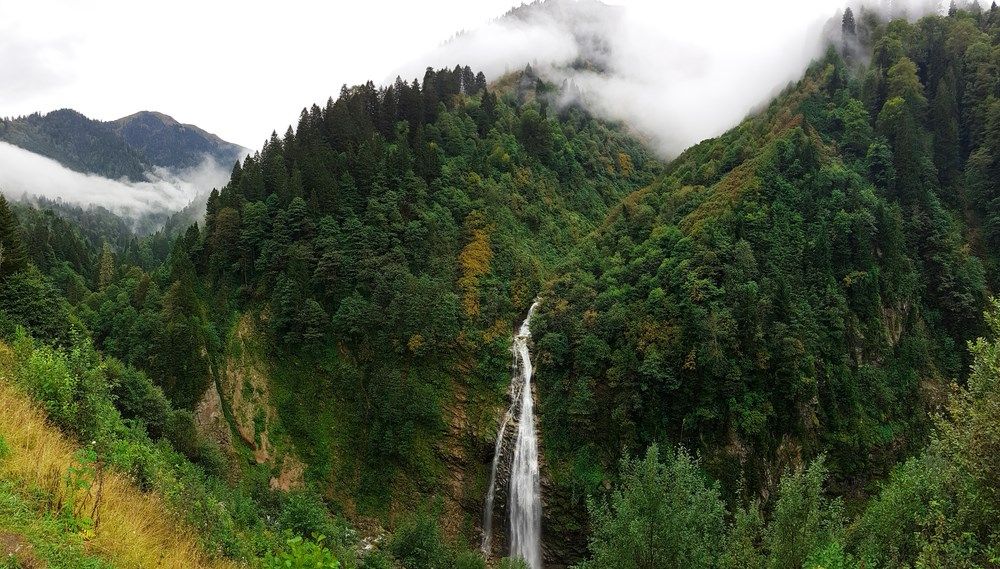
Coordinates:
column 524, row 506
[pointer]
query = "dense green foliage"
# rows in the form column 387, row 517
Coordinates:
column 939, row 509
column 438, row 207
column 801, row 284
column 390, row 240
column 789, row 300
column 664, row 516
column 130, row 425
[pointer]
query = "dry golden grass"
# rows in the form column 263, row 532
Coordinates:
column 135, row 529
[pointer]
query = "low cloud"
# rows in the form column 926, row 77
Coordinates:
column 26, row 174
column 677, row 72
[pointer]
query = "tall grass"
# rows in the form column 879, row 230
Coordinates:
column 132, row 529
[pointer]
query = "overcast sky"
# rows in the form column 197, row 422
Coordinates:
column 243, row 69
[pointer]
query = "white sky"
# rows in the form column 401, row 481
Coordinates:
column 243, row 69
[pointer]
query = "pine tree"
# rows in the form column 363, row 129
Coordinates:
column 468, row 85
column 105, row 267
column 946, row 139
column 847, row 25
column 976, row 10
column 900, row 121
column 952, row 8
column 13, row 255
column 237, row 173
column 314, row 322
column 211, row 208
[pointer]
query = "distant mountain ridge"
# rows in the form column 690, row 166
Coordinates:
column 167, row 142
column 124, row 148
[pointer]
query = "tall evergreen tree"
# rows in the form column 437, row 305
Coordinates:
column 944, row 119
column 105, row 267
column 847, row 24
column 13, row 255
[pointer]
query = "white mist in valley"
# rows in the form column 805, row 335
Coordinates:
column 26, row 174
column 677, row 72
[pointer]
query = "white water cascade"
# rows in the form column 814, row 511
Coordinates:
column 524, row 506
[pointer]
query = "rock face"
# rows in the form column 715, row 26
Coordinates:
column 499, row 542
column 211, row 420
column 242, row 388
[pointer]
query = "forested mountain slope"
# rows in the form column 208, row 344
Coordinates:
column 790, row 302
column 351, row 294
column 388, row 244
column 805, row 283
column 125, row 148
column 77, row 142
column 166, row 142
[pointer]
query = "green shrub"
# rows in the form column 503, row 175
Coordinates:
column 663, row 515
column 96, row 416
column 804, row 520
column 469, row 560
column 832, row 556
column 377, row 559
column 182, row 433
column 300, row 553
column 137, row 398
column 418, row 543
column 47, row 377
column 303, row 513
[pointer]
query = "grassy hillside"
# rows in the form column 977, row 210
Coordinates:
column 71, row 510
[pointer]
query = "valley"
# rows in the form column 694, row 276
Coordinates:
column 470, row 321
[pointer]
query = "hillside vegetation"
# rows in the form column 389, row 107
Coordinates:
column 770, row 352
column 60, row 499
column 806, row 282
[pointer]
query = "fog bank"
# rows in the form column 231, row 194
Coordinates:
column 678, row 72
column 24, row 173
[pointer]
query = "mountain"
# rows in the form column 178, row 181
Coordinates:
column 77, row 142
column 125, row 148
column 776, row 350
column 589, row 23
column 805, row 285
column 166, row 142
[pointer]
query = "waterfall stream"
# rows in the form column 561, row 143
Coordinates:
column 524, row 505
